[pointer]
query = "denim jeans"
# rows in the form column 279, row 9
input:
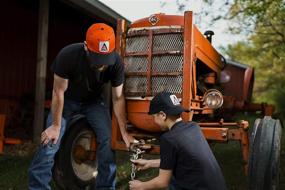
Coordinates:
column 98, row 116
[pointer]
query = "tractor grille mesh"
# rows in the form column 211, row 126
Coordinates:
column 171, row 84
column 136, row 64
column 168, row 42
column 136, row 84
column 137, row 44
column 166, row 64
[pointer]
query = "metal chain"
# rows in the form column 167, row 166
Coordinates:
column 136, row 154
column 133, row 173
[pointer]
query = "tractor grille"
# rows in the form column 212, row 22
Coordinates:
column 167, row 63
column 168, row 42
column 153, row 62
column 136, row 84
column 137, row 44
column 171, row 84
column 136, row 64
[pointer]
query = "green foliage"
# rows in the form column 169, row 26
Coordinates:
column 265, row 47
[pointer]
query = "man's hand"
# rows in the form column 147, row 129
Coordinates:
column 136, row 185
column 128, row 139
column 50, row 134
column 142, row 164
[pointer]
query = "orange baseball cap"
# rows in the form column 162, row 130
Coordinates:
column 100, row 41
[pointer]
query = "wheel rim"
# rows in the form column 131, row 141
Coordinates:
column 86, row 169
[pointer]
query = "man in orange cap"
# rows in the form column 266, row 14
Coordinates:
column 80, row 72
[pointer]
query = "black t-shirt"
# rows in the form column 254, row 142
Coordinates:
column 185, row 151
column 85, row 84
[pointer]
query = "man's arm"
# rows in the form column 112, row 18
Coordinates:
column 53, row 131
column 143, row 164
column 161, row 181
column 120, row 112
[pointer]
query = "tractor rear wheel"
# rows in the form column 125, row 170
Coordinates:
column 75, row 164
column 264, row 157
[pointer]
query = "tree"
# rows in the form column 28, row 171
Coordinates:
column 264, row 22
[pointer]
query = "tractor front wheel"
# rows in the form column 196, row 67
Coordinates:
column 264, row 157
column 75, row 164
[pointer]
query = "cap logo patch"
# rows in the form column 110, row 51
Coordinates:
column 174, row 100
column 104, row 46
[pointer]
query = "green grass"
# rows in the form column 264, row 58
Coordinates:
column 13, row 169
column 124, row 170
column 13, row 172
column 230, row 159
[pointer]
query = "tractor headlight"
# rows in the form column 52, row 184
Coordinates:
column 213, row 99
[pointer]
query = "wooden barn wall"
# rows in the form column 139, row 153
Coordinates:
column 18, row 36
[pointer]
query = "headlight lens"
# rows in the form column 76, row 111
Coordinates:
column 213, row 99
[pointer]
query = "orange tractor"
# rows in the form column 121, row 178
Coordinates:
column 168, row 52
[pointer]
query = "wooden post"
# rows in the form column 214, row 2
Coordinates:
column 41, row 69
column 2, row 126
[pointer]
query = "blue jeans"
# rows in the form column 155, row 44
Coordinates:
column 98, row 116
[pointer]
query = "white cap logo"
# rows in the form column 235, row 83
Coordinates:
column 104, row 46
column 174, row 100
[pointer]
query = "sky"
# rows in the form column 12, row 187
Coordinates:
column 137, row 9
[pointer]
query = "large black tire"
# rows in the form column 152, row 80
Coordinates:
column 67, row 172
column 264, row 157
